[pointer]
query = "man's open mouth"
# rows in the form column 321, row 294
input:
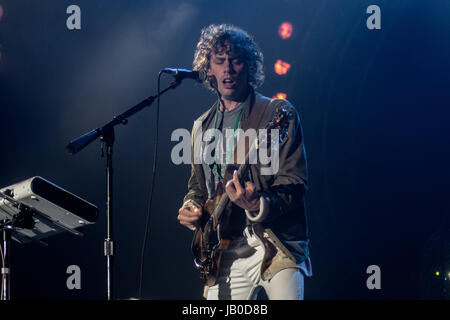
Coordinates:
column 228, row 83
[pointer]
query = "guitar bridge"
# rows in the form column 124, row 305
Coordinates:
column 203, row 267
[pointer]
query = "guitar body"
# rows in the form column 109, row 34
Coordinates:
column 207, row 244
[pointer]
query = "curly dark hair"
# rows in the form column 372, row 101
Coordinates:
column 217, row 37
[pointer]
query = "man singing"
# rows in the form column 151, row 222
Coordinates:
column 265, row 223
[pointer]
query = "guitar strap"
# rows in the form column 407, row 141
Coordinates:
column 257, row 112
column 259, row 107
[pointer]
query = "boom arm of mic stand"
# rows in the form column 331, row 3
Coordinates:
column 83, row 141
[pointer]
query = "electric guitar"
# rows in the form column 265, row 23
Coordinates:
column 207, row 244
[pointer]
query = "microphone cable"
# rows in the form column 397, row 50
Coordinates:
column 150, row 198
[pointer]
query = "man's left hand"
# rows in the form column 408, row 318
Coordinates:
column 248, row 198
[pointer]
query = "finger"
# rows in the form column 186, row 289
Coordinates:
column 190, row 211
column 190, row 206
column 185, row 222
column 239, row 190
column 230, row 190
column 197, row 210
column 188, row 222
column 249, row 186
column 188, row 225
column 188, row 216
column 249, row 190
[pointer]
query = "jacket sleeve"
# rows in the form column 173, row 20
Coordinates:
column 285, row 195
column 194, row 193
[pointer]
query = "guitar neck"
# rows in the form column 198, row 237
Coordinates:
column 280, row 121
column 242, row 170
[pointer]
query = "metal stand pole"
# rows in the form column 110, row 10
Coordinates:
column 6, row 271
column 108, row 139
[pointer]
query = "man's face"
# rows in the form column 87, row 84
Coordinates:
column 231, row 73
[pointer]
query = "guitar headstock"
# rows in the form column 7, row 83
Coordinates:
column 281, row 121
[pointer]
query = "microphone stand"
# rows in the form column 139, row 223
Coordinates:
column 6, row 271
column 106, row 133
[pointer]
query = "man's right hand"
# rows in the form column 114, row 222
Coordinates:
column 189, row 215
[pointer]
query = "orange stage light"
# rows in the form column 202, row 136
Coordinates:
column 280, row 95
column 281, row 67
column 285, row 30
column 1, row 12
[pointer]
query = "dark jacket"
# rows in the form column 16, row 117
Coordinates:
column 286, row 219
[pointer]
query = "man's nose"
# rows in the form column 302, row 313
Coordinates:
column 228, row 67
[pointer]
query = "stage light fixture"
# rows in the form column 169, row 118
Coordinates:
column 281, row 67
column 280, row 95
column 285, row 30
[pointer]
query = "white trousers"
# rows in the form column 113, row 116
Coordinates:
column 240, row 275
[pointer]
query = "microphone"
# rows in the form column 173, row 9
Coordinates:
column 199, row 76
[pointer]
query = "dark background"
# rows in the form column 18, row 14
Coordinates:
column 374, row 107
